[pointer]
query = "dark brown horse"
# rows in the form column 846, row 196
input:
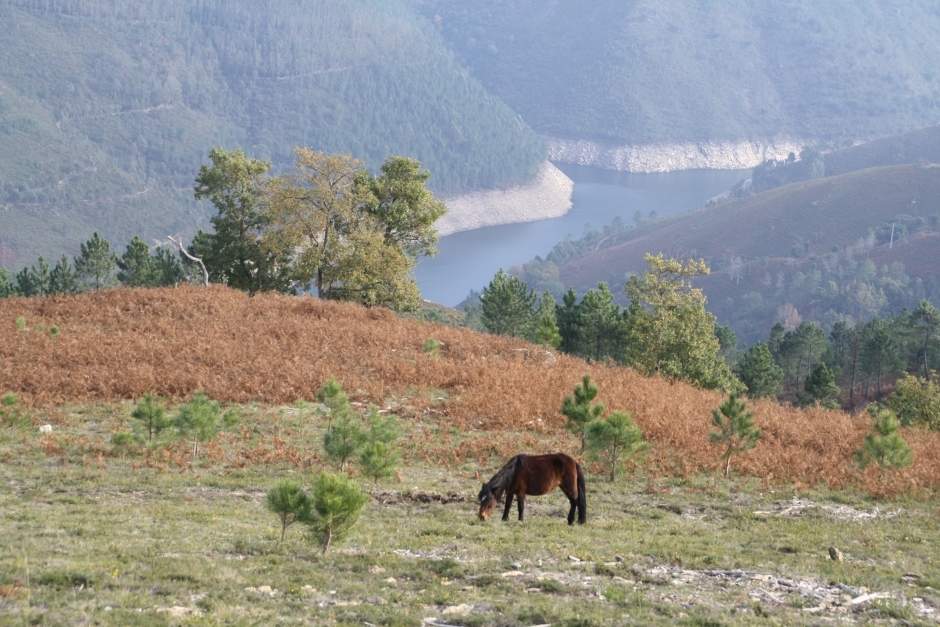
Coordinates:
column 535, row 475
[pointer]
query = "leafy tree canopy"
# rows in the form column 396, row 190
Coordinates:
column 670, row 332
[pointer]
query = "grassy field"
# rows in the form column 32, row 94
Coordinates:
column 96, row 534
column 90, row 535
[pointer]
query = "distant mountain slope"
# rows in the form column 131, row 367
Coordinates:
column 668, row 71
column 107, row 109
column 786, row 244
column 810, row 217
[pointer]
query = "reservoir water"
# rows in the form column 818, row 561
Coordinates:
column 468, row 260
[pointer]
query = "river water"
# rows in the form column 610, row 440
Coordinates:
column 468, row 260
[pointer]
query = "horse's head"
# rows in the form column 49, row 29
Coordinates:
column 488, row 501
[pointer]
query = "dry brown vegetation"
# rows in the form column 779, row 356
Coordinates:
column 120, row 344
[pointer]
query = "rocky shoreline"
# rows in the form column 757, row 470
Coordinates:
column 712, row 155
column 548, row 196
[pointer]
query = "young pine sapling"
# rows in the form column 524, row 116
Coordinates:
column 579, row 410
column 379, row 456
column 735, row 428
column 290, row 503
column 614, row 439
column 337, row 503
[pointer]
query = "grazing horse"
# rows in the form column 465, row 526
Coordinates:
column 535, row 475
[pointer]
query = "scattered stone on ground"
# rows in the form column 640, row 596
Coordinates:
column 798, row 506
column 394, row 497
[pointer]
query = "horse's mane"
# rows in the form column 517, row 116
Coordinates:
column 503, row 477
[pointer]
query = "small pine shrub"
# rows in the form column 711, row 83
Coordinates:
column 884, row 446
column 580, row 410
column 123, row 442
column 151, row 417
column 378, row 455
column 735, row 428
column 337, row 503
column 432, row 346
column 199, row 418
column 12, row 415
column 614, row 439
column 290, row 503
column 344, row 435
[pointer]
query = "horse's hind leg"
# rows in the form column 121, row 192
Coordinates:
column 509, row 496
column 574, row 506
column 521, row 499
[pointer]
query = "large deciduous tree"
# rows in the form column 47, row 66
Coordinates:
column 669, row 330
column 355, row 236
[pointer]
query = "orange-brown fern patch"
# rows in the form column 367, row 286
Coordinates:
column 120, row 344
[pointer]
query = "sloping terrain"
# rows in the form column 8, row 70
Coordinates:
column 758, row 244
column 672, row 71
column 108, row 109
column 120, row 344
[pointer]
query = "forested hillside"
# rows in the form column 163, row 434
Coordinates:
column 107, row 109
column 667, row 71
column 851, row 247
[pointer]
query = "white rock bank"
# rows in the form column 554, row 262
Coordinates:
column 548, row 196
column 714, row 155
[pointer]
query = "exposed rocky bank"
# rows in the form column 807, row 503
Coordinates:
column 714, row 155
column 548, row 196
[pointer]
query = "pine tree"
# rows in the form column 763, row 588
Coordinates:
column 234, row 254
column 41, row 277
column 735, row 428
column 759, row 373
column 614, row 439
column 7, row 287
column 63, row 279
column 579, row 409
column 135, row 267
column 885, row 446
column 290, row 503
column 336, row 504
column 821, row 385
column 96, row 263
column 152, row 416
column 506, row 305
column 378, row 456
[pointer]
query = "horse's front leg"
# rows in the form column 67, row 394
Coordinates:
column 509, row 496
column 521, row 498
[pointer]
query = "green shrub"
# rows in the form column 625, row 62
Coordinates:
column 735, row 428
column 199, row 418
column 884, row 446
column 151, row 417
column 290, row 503
column 614, row 439
column 378, row 454
column 337, row 503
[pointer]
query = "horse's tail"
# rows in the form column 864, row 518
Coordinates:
column 582, row 496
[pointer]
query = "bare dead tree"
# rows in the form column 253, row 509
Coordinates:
column 179, row 242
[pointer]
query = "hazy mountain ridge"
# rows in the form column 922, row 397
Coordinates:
column 784, row 246
column 614, row 72
column 108, row 109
